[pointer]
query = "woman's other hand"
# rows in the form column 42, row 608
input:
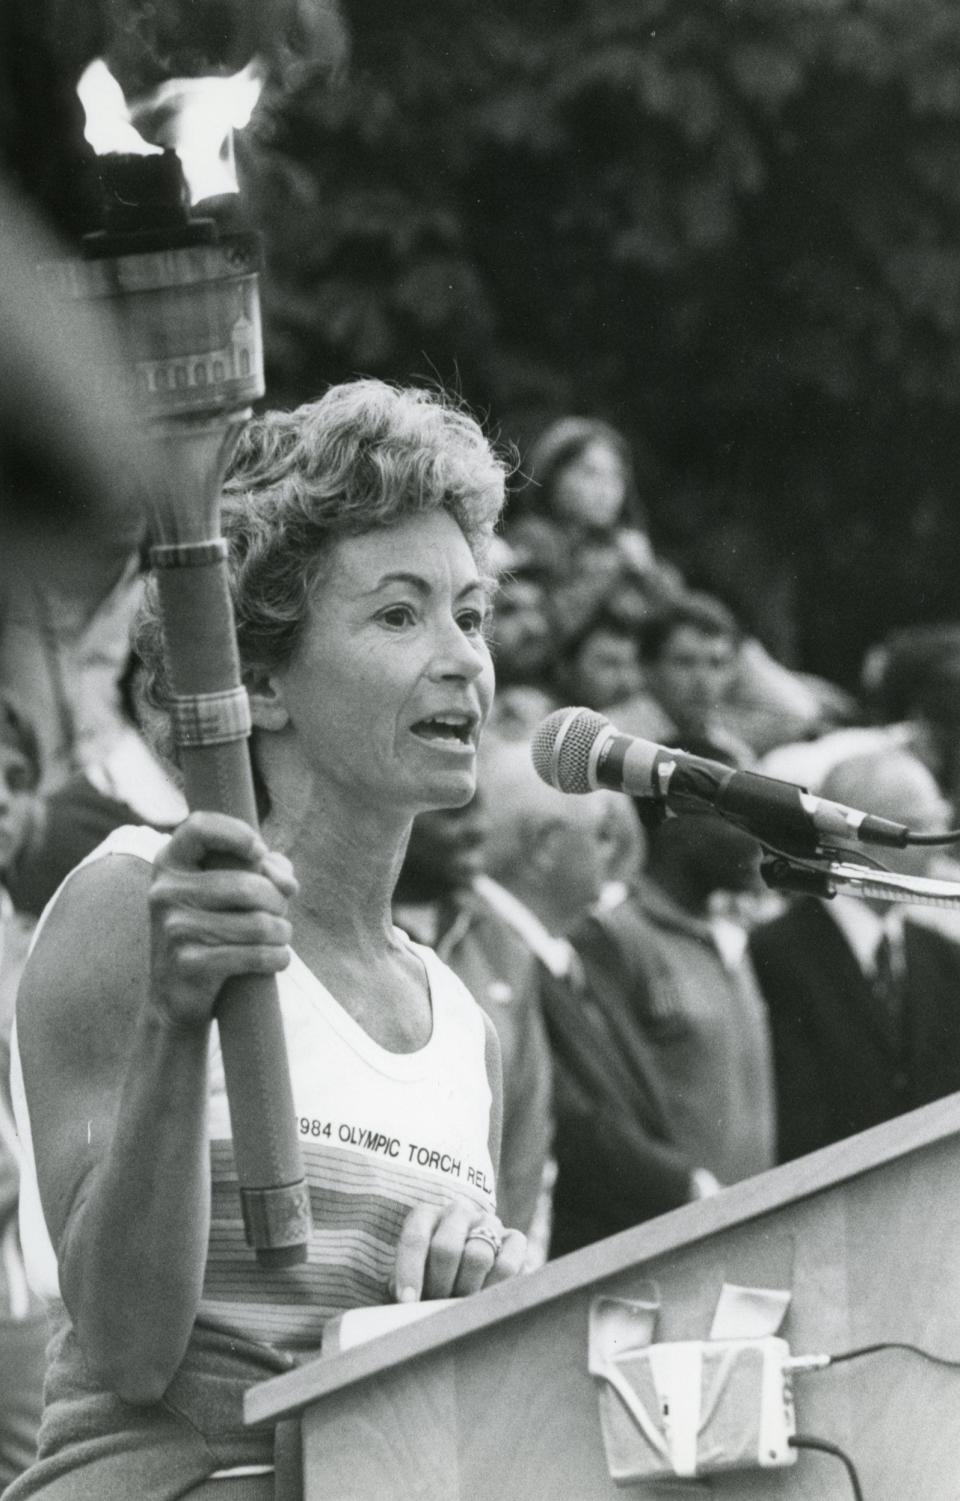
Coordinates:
column 453, row 1251
column 209, row 923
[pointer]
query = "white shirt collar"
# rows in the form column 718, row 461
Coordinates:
column 555, row 954
column 730, row 939
column 863, row 927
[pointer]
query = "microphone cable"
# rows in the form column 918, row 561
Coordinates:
column 807, row 1441
column 823, row 1362
column 894, row 1344
column 949, row 836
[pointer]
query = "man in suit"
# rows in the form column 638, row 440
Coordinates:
column 617, row 1163
column 671, row 977
column 863, row 997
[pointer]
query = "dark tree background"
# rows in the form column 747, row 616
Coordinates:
column 733, row 230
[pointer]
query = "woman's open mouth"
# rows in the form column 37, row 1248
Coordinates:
column 446, row 729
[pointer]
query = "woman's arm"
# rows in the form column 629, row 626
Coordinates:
column 113, row 1026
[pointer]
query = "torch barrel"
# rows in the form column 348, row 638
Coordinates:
column 211, row 725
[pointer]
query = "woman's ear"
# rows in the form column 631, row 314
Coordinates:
column 268, row 708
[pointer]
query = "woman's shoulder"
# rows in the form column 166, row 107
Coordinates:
column 96, row 873
column 91, row 946
column 138, row 840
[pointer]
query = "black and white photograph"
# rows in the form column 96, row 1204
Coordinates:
column 479, row 750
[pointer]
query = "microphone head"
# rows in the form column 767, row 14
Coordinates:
column 562, row 745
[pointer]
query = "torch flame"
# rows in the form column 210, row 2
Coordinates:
column 108, row 123
column 196, row 117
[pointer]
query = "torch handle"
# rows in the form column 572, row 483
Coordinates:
column 212, row 726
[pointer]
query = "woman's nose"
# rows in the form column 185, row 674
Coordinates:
column 456, row 654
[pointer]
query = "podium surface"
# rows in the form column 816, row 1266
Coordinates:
column 491, row 1399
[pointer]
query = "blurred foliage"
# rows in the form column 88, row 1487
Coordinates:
column 732, row 229
column 44, row 47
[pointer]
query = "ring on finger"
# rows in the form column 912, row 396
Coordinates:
column 489, row 1237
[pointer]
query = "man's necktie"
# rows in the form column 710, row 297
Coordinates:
column 888, row 988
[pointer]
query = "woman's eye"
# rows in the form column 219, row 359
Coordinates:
column 397, row 615
column 472, row 620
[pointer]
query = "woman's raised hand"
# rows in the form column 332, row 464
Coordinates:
column 452, row 1251
column 207, row 923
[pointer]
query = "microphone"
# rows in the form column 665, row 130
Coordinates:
column 578, row 750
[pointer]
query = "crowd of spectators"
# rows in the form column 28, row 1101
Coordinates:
column 667, row 1025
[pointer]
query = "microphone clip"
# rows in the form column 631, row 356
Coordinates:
column 780, row 873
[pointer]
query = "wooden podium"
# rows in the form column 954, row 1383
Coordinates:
column 490, row 1399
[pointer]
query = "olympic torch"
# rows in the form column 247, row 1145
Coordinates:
column 185, row 299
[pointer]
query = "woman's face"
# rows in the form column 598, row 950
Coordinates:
column 590, row 489
column 392, row 680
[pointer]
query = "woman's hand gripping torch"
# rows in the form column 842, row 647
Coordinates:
column 188, row 312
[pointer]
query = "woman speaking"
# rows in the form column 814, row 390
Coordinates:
column 357, row 528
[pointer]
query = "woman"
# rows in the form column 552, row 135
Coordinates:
column 357, row 528
column 581, row 521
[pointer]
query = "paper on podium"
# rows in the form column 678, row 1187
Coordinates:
column 358, row 1325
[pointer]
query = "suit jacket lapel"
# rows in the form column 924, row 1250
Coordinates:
column 849, row 985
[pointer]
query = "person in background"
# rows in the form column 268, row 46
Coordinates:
column 581, row 518
column 913, row 679
column 64, row 639
column 77, row 467
column 20, row 765
column 444, row 899
column 129, row 784
column 688, row 653
column 862, row 997
column 524, row 649
column 600, row 665
column 23, row 1328
column 551, row 854
column 910, row 700
column 517, row 711
column 679, row 997
column 520, row 634
column 769, row 704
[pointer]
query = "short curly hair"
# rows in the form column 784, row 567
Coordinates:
column 366, row 456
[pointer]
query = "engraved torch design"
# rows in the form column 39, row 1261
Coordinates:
column 186, row 302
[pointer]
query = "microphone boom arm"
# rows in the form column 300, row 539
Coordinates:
column 828, row 877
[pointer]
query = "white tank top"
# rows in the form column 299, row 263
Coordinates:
column 380, row 1133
